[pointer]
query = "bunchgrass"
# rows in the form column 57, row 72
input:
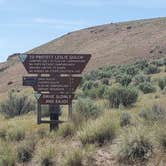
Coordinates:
column 74, row 158
column 7, row 154
column 99, row 131
column 134, row 145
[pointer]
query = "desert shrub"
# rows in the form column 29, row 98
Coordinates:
column 7, row 155
column 140, row 78
column 74, row 158
column 141, row 64
column 98, row 131
column 125, row 119
column 153, row 114
column 131, row 70
column 159, row 62
column 101, row 90
column 96, row 92
column 15, row 133
column 147, row 87
column 93, row 75
column 123, row 79
column 86, row 108
column 122, row 95
column 46, row 156
column 105, row 81
column 87, row 85
column 162, row 83
column 134, row 145
column 152, row 69
column 16, row 105
column 25, row 151
column 67, row 130
column 92, row 93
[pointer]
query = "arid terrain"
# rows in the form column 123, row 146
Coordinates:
column 119, row 109
column 113, row 43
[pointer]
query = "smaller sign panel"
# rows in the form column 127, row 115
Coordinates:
column 52, row 99
column 58, row 85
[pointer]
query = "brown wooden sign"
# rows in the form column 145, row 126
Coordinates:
column 57, row 85
column 51, row 99
column 54, row 63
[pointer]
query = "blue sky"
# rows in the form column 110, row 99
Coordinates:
column 25, row 24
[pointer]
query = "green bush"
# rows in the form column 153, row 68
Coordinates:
column 101, row 90
column 131, row 70
column 86, row 108
column 96, row 92
column 25, row 151
column 87, row 85
column 159, row 62
column 162, row 83
column 141, row 64
column 123, row 79
column 153, row 114
column 152, row 69
column 105, row 81
column 125, row 119
column 134, row 146
column 16, row 105
column 122, row 95
column 140, row 78
column 147, row 87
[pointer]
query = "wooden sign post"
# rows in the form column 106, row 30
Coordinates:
column 57, row 86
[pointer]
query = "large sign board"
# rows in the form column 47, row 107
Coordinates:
column 57, row 85
column 54, row 83
column 54, row 63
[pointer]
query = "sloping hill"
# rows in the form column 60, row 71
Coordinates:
column 113, row 43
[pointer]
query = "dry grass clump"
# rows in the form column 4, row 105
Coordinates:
column 7, row 154
column 67, row 130
column 15, row 133
column 99, row 131
column 155, row 113
column 79, row 156
column 134, row 145
column 46, row 156
column 160, row 134
column 42, row 132
column 125, row 119
column 74, row 158
column 25, row 150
